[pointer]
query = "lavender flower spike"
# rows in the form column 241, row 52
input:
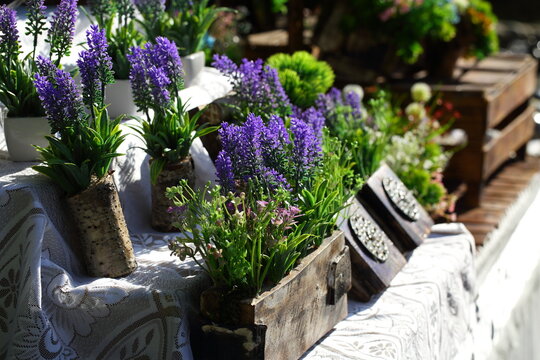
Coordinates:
column 307, row 150
column 9, row 36
column 62, row 29
column 59, row 96
column 165, row 53
column 158, row 86
column 95, row 66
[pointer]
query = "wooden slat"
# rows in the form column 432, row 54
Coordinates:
column 513, row 136
column 499, row 195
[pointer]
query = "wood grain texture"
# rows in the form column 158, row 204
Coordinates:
column 285, row 321
column 499, row 195
column 405, row 234
column 369, row 276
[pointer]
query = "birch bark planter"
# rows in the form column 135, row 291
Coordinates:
column 171, row 175
column 104, row 235
column 285, row 321
column 23, row 132
column 193, row 65
column 120, row 100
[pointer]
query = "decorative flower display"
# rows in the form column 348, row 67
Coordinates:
column 156, row 80
column 87, row 140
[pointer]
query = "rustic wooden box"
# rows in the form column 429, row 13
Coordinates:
column 405, row 233
column 285, row 321
column 492, row 96
column 369, row 275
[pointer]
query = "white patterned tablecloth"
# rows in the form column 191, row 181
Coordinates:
column 426, row 313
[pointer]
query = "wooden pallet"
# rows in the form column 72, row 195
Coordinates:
column 501, row 193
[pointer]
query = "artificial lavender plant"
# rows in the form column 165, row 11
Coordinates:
column 88, row 140
column 156, row 80
column 17, row 91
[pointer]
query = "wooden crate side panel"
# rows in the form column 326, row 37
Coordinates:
column 512, row 93
column 296, row 312
column 513, row 136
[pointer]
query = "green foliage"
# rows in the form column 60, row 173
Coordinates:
column 302, row 76
column 329, row 191
column 483, row 21
column 17, row 91
column 84, row 152
column 186, row 27
column 405, row 25
column 246, row 241
column 169, row 135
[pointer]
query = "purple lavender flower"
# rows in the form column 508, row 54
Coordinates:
column 155, row 72
column 165, row 54
column 9, row 36
column 257, row 87
column 265, row 154
column 62, row 28
column 307, row 151
column 314, row 117
column 224, row 172
column 45, row 67
column 95, row 66
column 137, row 77
column 59, row 96
column 158, row 86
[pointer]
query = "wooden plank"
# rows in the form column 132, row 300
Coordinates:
column 507, row 96
column 512, row 137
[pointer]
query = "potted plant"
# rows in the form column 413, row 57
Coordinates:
column 184, row 22
column 25, row 124
column 118, row 20
column 303, row 77
column 411, row 27
column 79, row 158
column 280, row 190
column 167, row 129
column 475, row 37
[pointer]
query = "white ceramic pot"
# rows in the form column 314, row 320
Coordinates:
column 120, row 100
column 193, row 65
column 23, row 132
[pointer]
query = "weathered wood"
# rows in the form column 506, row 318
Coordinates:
column 285, row 321
column 500, row 194
column 513, row 136
column 369, row 276
column 104, row 236
column 405, row 234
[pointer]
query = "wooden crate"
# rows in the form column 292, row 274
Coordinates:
column 285, row 321
column 492, row 96
column 406, row 233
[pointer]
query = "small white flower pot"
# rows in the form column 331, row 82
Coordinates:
column 23, row 132
column 193, row 65
column 120, row 100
